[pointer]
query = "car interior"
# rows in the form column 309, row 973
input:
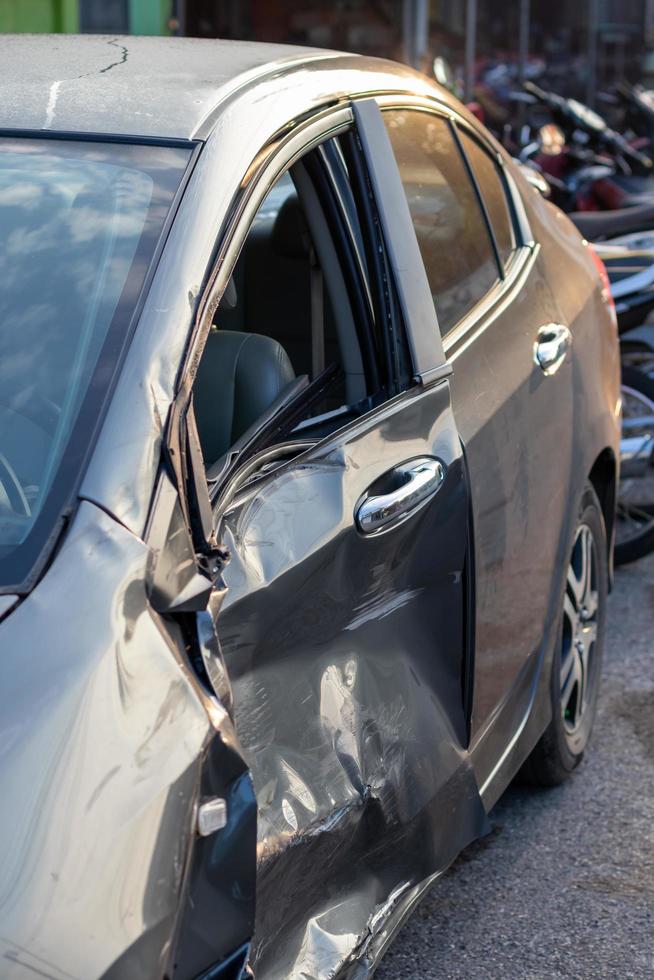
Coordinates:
column 284, row 334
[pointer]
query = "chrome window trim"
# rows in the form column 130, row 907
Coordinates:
column 247, row 82
column 220, row 490
column 492, row 305
column 275, row 159
column 496, row 158
column 481, row 201
column 526, row 234
column 433, row 105
column 280, row 155
column 521, row 262
column 519, row 217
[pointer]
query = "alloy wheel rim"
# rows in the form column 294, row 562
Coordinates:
column 580, row 610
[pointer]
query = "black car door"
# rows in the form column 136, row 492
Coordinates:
column 344, row 632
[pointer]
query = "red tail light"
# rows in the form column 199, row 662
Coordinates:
column 606, row 284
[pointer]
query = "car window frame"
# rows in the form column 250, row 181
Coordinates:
column 409, row 289
column 518, row 220
column 480, row 197
column 484, row 311
column 181, row 447
column 456, row 147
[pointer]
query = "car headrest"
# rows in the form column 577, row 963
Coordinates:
column 290, row 235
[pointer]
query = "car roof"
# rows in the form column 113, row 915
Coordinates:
column 157, row 87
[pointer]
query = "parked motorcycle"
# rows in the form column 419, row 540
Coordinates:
column 637, row 118
column 635, row 513
column 586, row 129
column 605, row 184
column 630, row 275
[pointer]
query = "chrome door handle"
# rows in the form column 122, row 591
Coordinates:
column 553, row 342
column 418, row 480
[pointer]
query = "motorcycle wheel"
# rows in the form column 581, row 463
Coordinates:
column 634, row 537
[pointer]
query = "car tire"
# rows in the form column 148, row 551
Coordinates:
column 577, row 660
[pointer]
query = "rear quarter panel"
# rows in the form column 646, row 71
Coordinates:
column 565, row 263
column 574, row 280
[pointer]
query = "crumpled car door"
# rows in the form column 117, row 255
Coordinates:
column 346, row 655
column 344, row 631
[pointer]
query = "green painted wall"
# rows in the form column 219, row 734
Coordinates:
column 38, row 16
column 149, row 16
column 69, row 16
column 62, row 16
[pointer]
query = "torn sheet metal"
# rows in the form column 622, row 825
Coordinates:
column 345, row 655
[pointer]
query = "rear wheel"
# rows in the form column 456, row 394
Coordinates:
column 577, row 660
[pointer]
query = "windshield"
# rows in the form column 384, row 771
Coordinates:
column 79, row 225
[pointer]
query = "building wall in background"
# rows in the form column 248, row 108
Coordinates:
column 150, row 16
column 365, row 26
column 86, row 16
column 559, row 36
column 57, row 16
column 559, row 32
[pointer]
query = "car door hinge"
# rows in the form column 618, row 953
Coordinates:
column 213, row 561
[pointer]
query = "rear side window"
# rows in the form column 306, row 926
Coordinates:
column 450, row 226
column 491, row 186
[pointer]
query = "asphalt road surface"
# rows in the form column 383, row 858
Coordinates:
column 564, row 885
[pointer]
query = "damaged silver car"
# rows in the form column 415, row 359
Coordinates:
column 309, row 416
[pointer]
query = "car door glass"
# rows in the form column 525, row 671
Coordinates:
column 493, row 194
column 450, row 226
